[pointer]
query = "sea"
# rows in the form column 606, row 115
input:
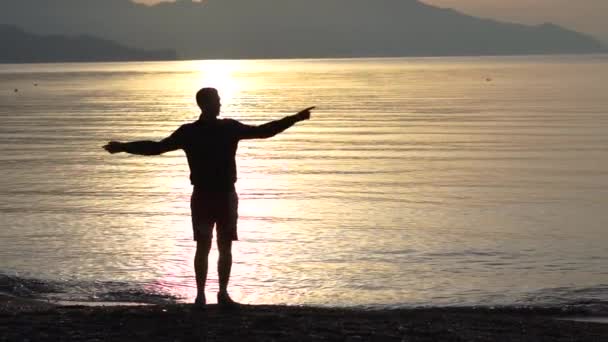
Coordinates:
column 418, row 182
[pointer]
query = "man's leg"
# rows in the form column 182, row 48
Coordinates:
column 224, row 263
column 226, row 233
column 201, row 262
column 202, row 226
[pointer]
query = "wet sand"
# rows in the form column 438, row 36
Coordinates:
column 28, row 320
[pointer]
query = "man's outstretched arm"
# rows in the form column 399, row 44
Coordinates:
column 273, row 128
column 145, row 147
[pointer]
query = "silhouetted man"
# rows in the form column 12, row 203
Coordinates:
column 210, row 145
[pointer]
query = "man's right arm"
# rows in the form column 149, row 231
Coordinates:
column 147, row 147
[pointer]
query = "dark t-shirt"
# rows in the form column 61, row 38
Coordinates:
column 211, row 145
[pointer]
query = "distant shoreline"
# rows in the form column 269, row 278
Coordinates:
column 598, row 54
column 31, row 320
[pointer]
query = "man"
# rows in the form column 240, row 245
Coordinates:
column 210, row 145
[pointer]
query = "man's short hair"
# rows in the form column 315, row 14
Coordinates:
column 204, row 95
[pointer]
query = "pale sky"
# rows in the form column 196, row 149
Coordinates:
column 588, row 16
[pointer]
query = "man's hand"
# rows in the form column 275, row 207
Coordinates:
column 113, row 147
column 304, row 114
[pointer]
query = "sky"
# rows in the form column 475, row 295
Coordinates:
column 588, row 16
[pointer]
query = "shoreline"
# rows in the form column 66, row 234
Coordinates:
column 26, row 319
column 271, row 59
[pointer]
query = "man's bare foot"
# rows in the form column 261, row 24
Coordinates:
column 224, row 301
column 200, row 301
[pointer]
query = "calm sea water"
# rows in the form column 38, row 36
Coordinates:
column 440, row 181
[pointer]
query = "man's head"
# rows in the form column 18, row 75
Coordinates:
column 209, row 101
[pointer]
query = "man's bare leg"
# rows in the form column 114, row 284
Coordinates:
column 201, row 262
column 224, row 266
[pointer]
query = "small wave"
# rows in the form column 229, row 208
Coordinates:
column 24, row 287
column 589, row 300
column 585, row 301
column 81, row 291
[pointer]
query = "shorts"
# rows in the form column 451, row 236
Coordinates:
column 211, row 208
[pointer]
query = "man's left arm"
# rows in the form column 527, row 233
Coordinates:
column 273, row 128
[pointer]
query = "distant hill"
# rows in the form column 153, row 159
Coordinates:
column 19, row 46
column 293, row 28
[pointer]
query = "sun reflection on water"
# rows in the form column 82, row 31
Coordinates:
column 219, row 74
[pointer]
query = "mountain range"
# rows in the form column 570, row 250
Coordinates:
column 290, row 28
column 22, row 47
